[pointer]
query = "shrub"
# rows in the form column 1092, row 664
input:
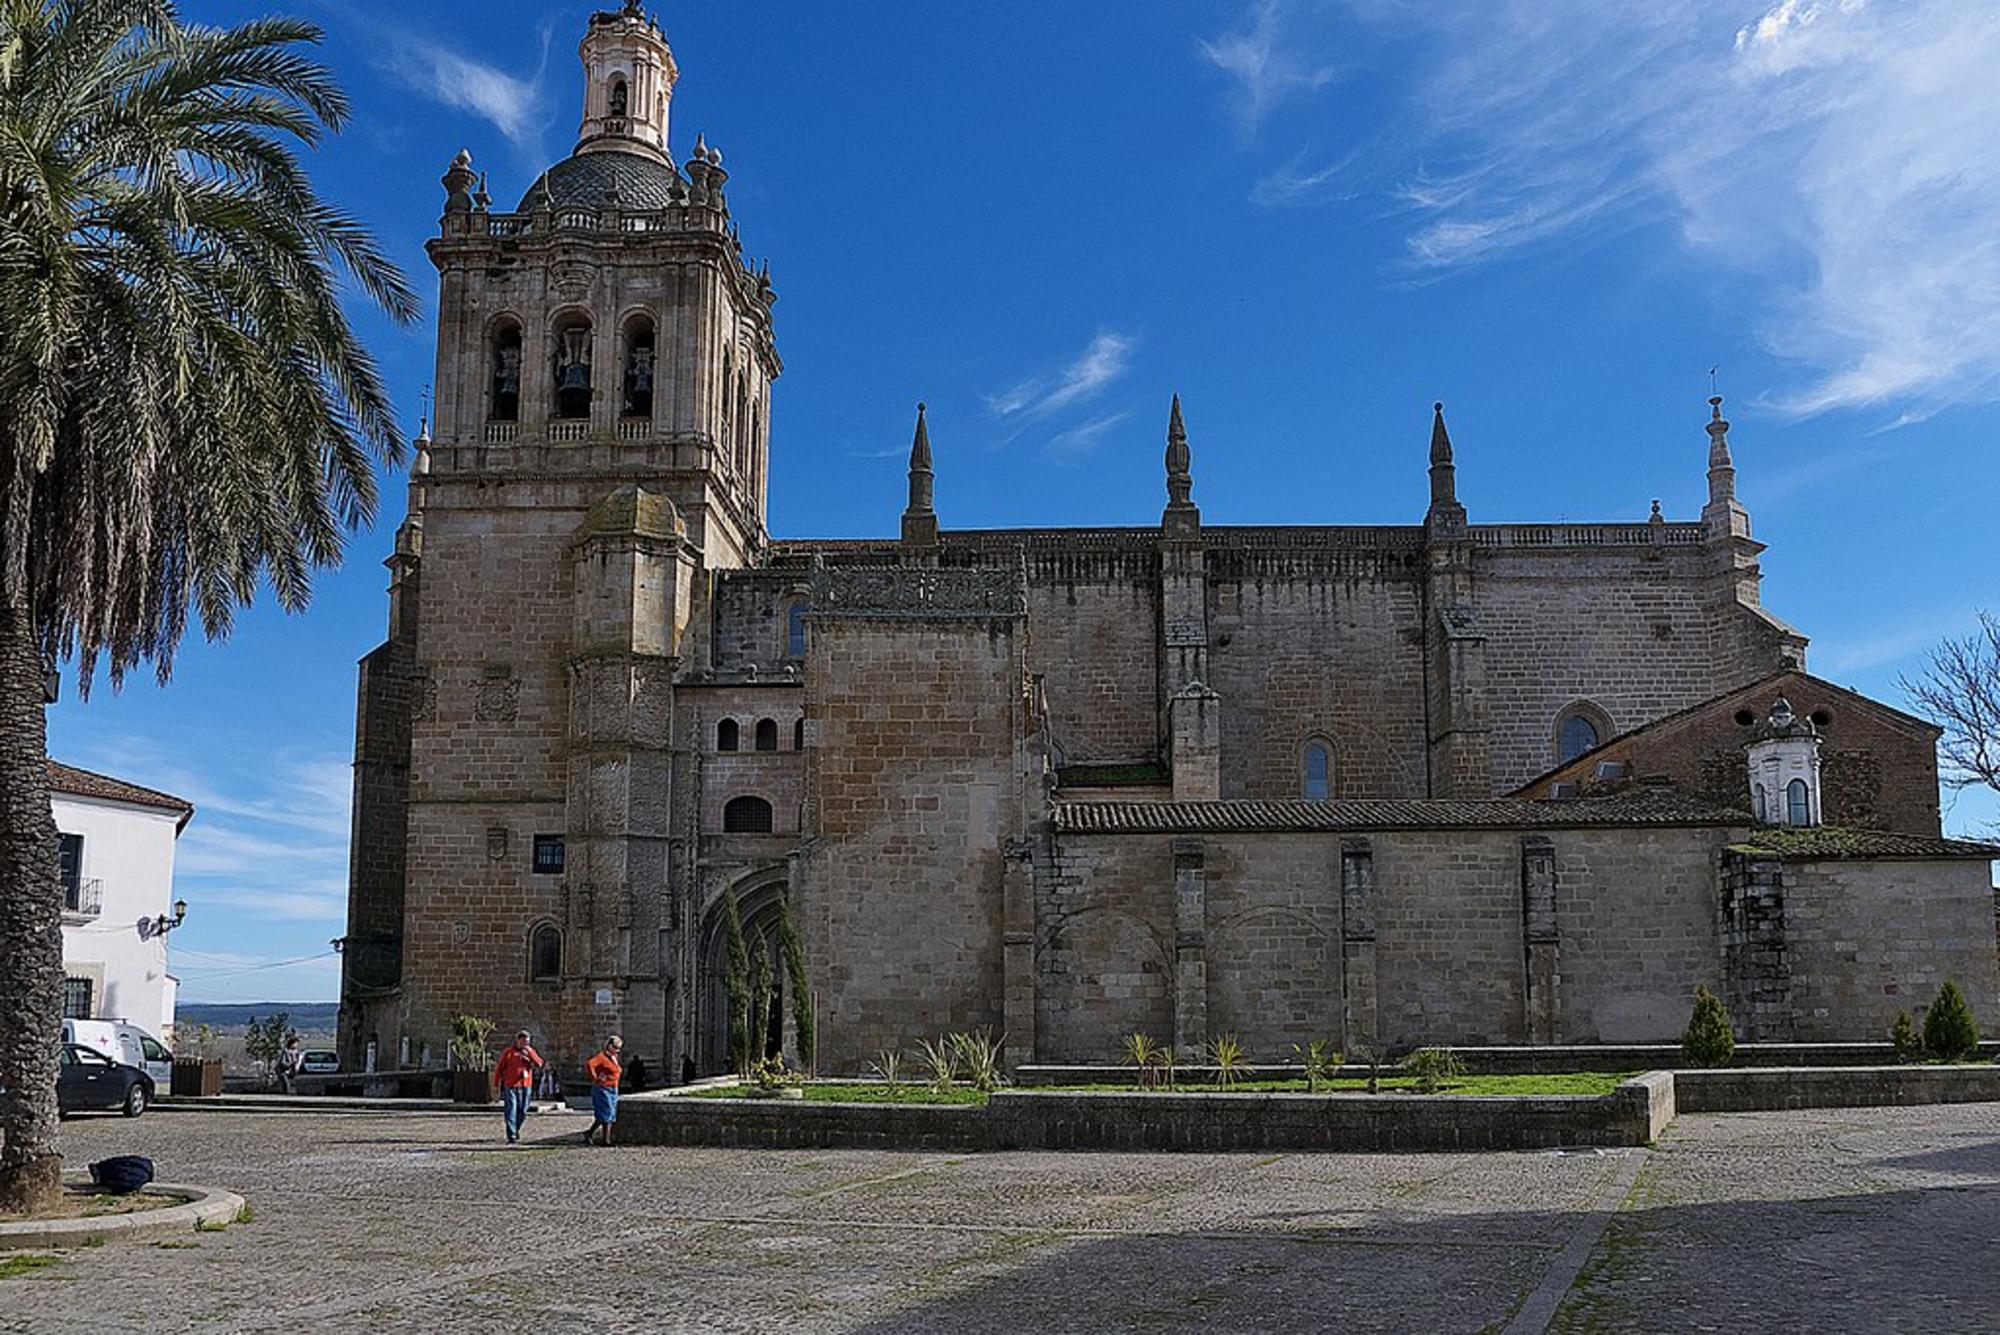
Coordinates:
column 1950, row 1031
column 770, row 1074
column 1320, row 1058
column 1710, row 1040
column 1904, row 1038
column 1229, row 1059
column 979, row 1056
column 1166, row 1061
column 1364, row 1055
column 940, row 1058
column 469, row 1035
column 1432, row 1068
column 889, row 1065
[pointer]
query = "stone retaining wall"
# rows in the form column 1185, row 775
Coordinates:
column 1115, row 1120
column 1833, row 1087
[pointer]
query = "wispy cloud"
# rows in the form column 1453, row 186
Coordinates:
column 1834, row 160
column 1901, row 639
column 1082, row 438
column 1270, row 57
column 1294, row 183
column 1102, row 362
column 270, row 833
column 512, row 104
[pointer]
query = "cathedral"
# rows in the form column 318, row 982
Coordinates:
column 1389, row 785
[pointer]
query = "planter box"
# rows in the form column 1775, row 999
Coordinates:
column 195, row 1078
column 473, row 1087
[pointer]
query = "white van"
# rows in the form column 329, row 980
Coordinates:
column 126, row 1043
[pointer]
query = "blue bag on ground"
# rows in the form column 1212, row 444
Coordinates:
column 122, row 1173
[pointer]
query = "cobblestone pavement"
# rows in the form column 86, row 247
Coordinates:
column 1870, row 1219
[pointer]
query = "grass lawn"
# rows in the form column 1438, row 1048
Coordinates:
column 1585, row 1082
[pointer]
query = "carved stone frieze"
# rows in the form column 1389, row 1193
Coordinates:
column 917, row 591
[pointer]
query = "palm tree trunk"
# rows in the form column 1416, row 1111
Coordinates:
column 31, row 966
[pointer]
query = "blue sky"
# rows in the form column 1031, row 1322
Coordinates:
column 1309, row 217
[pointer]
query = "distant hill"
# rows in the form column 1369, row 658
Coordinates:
column 307, row 1016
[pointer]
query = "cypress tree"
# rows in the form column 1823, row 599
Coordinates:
column 1950, row 1031
column 1710, row 1039
column 760, row 998
column 736, row 982
column 795, row 976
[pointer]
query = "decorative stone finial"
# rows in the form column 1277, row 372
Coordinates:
column 458, row 181
column 1180, row 460
column 1721, row 467
column 1444, row 473
column 1656, row 517
column 920, row 525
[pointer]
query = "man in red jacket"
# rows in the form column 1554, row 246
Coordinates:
column 515, row 1074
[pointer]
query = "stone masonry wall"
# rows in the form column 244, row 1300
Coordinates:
column 1096, row 642
column 1624, row 629
column 1867, row 939
column 911, row 788
column 1634, row 929
column 1328, row 653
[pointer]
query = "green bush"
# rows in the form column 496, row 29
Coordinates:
column 1229, row 1059
column 1710, row 1039
column 1950, row 1031
column 1904, row 1038
column 1321, row 1060
column 1432, row 1069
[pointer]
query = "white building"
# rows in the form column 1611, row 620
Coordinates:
column 116, row 844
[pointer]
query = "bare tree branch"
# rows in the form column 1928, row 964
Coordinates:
column 1960, row 690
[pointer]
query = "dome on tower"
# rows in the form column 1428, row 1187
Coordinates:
column 606, row 180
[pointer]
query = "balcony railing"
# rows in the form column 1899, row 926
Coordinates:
column 567, row 429
column 85, row 899
column 502, row 433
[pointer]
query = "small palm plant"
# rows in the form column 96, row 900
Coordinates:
column 979, row 1056
column 1433, row 1068
column 889, row 1065
column 1165, row 1061
column 1229, row 1059
column 1143, row 1055
column 940, row 1059
column 1320, row 1059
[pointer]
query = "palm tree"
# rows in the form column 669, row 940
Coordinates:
column 184, row 409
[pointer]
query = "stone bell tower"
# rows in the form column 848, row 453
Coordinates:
column 604, row 368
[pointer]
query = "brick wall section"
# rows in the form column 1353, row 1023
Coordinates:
column 1868, row 939
column 912, row 785
column 1878, row 766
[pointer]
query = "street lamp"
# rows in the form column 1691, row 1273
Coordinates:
column 163, row 924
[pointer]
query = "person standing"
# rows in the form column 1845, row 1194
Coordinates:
column 603, row 1070
column 290, row 1063
column 515, row 1074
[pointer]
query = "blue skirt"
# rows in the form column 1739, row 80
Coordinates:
column 603, row 1103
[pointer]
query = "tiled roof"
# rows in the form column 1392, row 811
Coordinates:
column 1829, row 842
column 1639, row 806
column 83, row 783
column 598, row 180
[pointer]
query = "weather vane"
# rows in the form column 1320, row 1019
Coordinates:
column 1712, row 390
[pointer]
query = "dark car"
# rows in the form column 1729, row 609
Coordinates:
column 89, row 1081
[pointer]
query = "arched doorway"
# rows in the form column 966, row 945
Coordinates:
column 757, row 907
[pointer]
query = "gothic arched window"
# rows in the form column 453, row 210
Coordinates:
column 572, row 367
column 618, row 97
column 637, row 372
column 1798, row 803
column 1318, row 771
column 795, row 630
column 504, row 390
column 767, row 734
column 725, row 735
column 545, row 953
column 746, row 815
